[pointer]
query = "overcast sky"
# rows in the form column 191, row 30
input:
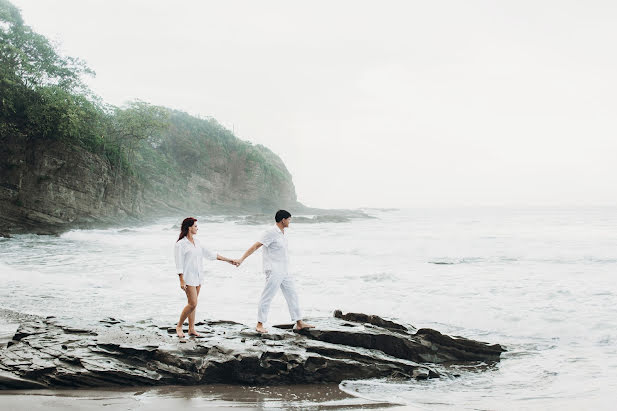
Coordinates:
column 380, row 103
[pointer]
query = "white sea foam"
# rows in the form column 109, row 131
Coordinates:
column 541, row 282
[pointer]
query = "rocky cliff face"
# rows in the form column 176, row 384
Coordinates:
column 48, row 186
column 229, row 182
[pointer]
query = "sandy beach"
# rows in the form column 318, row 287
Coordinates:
column 193, row 398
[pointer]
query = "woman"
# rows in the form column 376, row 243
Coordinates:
column 189, row 255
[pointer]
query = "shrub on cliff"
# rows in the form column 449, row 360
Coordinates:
column 42, row 91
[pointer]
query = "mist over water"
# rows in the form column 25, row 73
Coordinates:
column 539, row 281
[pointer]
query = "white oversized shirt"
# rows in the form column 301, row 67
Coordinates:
column 189, row 260
column 275, row 258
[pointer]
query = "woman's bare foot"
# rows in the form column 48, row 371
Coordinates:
column 301, row 325
column 179, row 331
column 260, row 329
column 194, row 333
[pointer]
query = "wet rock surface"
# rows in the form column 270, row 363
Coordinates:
column 43, row 353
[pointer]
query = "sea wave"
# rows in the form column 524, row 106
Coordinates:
column 379, row 277
column 373, row 390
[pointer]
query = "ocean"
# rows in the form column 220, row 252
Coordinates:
column 540, row 281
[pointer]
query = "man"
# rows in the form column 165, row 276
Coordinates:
column 275, row 265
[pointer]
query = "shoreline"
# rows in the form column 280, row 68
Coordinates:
column 241, row 216
column 314, row 396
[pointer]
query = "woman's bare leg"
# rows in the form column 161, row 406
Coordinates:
column 192, row 318
column 191, row 296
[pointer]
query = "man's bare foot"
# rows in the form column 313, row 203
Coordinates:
column 260, row 329
column 179, row 332
column 301, row 325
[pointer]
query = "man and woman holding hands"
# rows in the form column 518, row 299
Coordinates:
column 189, row 254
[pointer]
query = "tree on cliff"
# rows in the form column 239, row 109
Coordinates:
column 137, row 122
column 29, row 58
column 42, row 92
column 42, row 96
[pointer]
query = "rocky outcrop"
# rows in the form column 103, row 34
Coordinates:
column 46, row 353
column 320, row 216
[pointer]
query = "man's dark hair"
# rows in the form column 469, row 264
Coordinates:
column 281, row 214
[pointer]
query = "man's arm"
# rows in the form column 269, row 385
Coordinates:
column 248, row 252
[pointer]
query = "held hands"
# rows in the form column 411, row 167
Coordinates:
column 236, row 262
column 227, row 260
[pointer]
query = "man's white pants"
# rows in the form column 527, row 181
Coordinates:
column 285, row 281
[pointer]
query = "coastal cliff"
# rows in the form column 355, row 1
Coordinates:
column 69, row 160
column 48, row 186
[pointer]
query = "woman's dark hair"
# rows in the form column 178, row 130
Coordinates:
column 281, row 214
column 184, row 229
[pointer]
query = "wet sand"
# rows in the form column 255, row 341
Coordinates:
column 311, row 397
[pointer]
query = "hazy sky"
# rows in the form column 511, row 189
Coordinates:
column 380, row 103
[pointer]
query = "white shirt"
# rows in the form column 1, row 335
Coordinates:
column 189, row 260
column 275, row 257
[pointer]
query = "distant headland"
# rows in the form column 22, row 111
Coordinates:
column 69, row 160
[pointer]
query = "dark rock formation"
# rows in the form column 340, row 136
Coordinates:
column 371, row 319
column 46, row 353
column 326, row 216
column 426, row 345
column 322, row 219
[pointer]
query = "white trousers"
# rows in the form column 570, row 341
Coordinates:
column 286, row 282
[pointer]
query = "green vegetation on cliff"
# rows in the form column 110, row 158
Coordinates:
column 44, row 97
column 52, row 125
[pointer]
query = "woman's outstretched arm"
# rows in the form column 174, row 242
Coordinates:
column 227, row 260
